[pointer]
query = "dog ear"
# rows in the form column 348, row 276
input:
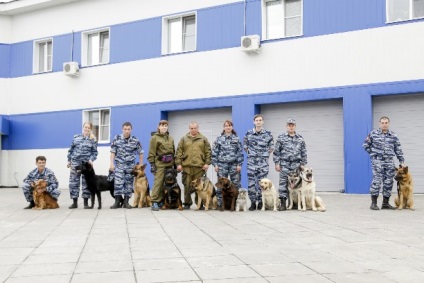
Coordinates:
column 405, row 169
column 144, row 166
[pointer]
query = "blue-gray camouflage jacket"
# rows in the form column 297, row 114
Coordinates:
column 258, row 144
column 383, row 145
column 290, row 149
column 48, row 175
column 125, row 150
column 82, row 149
column 227, row 149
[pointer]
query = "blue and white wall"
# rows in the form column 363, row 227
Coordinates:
column 347, row 53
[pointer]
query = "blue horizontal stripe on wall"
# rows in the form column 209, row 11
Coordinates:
column 217, row 27
column 5, row 60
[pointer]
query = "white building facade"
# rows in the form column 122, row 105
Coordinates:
column 335, row 66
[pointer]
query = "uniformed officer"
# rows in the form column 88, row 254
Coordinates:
column 289, row 154
column 192, row 159
column 161, row 157
column 227, row 157
column 123, row 151
column 259, row 144
column 382, row 145
column 83, row 149
column 41, row 172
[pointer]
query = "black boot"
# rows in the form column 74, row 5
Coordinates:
column 259, row 205
column 75, row 204
column 252, row 206
column 283, row 204
column 30, row 205
column 386, row 204
column 117, row 204
column 374, row 203
column 126, row 204
column 86, row 204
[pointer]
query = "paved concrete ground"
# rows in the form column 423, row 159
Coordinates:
column 348, row 243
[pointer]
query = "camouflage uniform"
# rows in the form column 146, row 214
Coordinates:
column 290, row 153
column 258, row 146
column 82, row 150
column 160, row 144
column 227, row 154
column 192, row 154
column 382, row 147
column 125, row 151
column 34, row 175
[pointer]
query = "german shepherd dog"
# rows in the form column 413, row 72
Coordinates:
column 294, row 183
column 229, row 193
column 42, row 199
column 95, row 183
column 171, row 190
column 206, row 193
column 141, row 187
column 307, row 192
column 405, row 186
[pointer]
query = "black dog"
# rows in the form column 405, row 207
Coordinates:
column 172, row 190
column 95, row 183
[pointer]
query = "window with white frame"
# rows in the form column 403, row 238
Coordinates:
column 95, row 47
column 42, row 56
column 402, row 10
column 179, row 34
column 281, row 18
column 100, row 119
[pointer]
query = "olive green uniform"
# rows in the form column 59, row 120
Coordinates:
column 160, row 144
column 192, row 154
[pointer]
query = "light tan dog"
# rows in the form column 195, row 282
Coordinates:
column 42, row 199
column 270, row 198
column 241, row 202
column 141, row 187
column 307, row 192
column 404, row 199
column 205, row 193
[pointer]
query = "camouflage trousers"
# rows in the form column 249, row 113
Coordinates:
column 124, row 181
column 190, row 174
column 286, row 168
column 26, row 188
column 257, row 169
column 75, row 180
column 383, row 172
column 227, row 170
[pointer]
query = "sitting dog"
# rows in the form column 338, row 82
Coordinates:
column 206, row 193
column 405, row 186
column 141, row 187
column 229, row 193
column 270, row 198
column 241, row 203
column 42, row 199
column 307, row 192
column 171, row 190
column 294, row 182
column 95, row 183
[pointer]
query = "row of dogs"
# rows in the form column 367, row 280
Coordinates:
column 301, row 187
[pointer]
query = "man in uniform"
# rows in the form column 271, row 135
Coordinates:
column 123, row 151
column 259, row 144
column 192, row 159
column 382, row 145
column 41, row 172
column 290, row 154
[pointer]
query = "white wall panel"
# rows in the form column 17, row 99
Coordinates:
column 89, row 14
column 361, row 57
column 5, row 29
column 5, row 96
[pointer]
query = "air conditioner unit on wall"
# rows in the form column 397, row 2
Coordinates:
column 71, row 69
column 250, row 43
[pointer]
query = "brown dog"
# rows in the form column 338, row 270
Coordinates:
column 141, row 187
column 229, row 193
column 42, row 199
column 404, row 199
column 205, row 193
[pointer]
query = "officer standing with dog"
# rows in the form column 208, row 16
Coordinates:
column 41, row 172
column 83, row 149
column 289, row 154
column 123, row 151
column 227, row 157
column 161, row 157
column 382, row 145
column 192, row 159
column 259, row 144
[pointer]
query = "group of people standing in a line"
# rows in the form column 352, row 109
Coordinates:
column 194, row 155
